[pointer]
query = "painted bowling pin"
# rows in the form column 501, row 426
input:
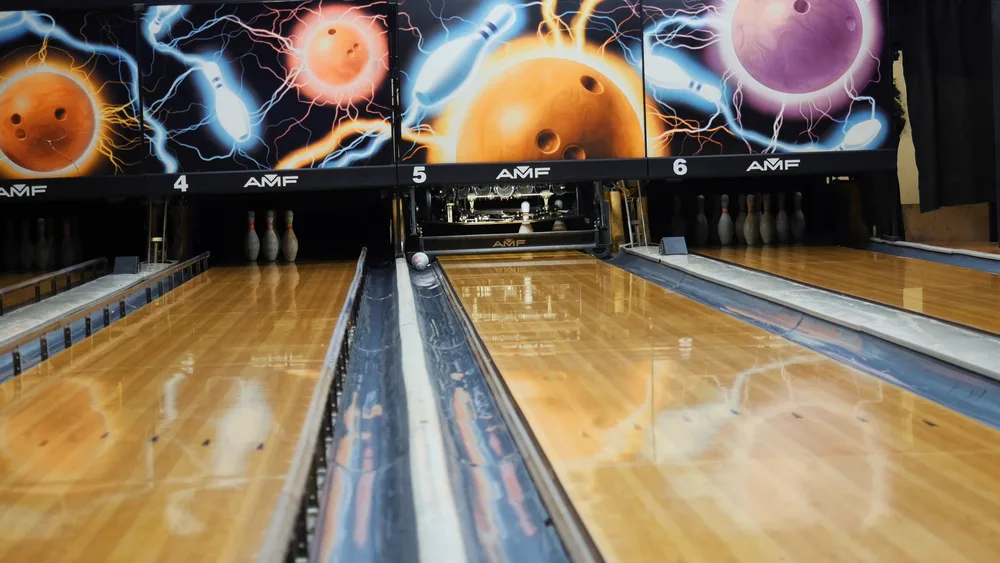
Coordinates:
column 271, row 243
column 289, row 242
column 251, row 242
column 448, row 67
column 768, row 231
column 668, row 75
column 725, row 223
column 798, row 220
column 741, row 219
column 701, row 224
column 781, row 220
column 751, row 228
column 41, row 247
column 230, row 110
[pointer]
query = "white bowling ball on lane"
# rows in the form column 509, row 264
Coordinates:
column 420, row 261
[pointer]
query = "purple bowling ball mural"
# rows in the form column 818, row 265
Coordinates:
column 764, row 76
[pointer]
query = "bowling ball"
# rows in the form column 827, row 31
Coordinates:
column 797, row 46
column 47, row 121
column 337, row 53
column 549, row 109
column 420, row 261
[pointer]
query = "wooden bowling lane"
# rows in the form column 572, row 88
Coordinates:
column 168, row 435
column 683, row 434
column 959, row 295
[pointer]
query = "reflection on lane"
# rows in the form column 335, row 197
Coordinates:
column 178, row 423
column 683, row 433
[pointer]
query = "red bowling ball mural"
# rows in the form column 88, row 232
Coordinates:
column 763, row 76
column 244, row 87
column 69, row 94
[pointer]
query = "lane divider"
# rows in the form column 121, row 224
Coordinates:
column 439, row 530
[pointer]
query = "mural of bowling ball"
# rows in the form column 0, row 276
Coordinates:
column 549, row 109
column 48, row 120
column 337, row 53
column 797, row 46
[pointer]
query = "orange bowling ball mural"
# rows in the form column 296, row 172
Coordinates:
column 69, row 101
column 520, row 81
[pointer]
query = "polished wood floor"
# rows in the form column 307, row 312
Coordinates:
column 683, row 434
column 960, row 295
column 167, row 436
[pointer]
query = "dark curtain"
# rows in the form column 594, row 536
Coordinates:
column 947, row 65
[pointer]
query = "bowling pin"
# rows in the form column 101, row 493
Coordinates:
column 701, row 224
column 677, row 226
column 713, row 224
column 725, row 223
column 271, row 243
column 798, row 220
column 666, row 74
column 160, row 14
column 229, row 108
column 751, row 227
column 860, row 135
column 768, row 231
column 741, row 219
column 781, row 220
column 27, row 249
column 451, row 64
column 10, row 250
column 289, row 242
column 41, row 247
column 525, row 218
column 251, row 242
column 66, row 246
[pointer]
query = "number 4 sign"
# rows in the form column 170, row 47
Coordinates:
column 181, row 183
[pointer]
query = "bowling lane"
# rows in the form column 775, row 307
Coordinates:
column 683, row 434
column 168, row 435
column 960, row 295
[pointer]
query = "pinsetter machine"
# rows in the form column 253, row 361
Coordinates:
column 479, row 219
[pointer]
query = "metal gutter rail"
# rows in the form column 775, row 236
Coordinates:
column 53, row 278
column 291, row 535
